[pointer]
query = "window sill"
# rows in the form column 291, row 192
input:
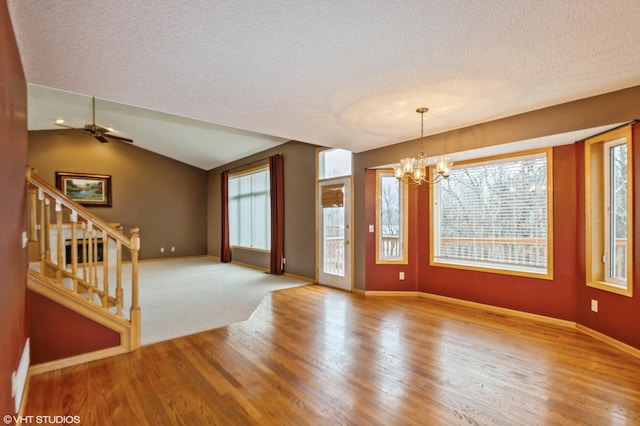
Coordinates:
column 251, row 249
column 513, row 272
column 611, row 288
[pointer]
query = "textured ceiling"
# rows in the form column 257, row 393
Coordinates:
column 346, row 73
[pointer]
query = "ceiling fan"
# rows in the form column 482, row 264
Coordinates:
column 102, row 134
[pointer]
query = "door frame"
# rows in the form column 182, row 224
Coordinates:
column 349, row 250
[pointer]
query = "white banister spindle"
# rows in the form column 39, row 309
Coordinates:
column 105, row 270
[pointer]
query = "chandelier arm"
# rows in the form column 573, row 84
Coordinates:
column 433, row 181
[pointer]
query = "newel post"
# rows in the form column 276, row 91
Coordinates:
column 135, row 307
column 34, row 252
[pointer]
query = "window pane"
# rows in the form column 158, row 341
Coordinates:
column 249, row 210
column 333, row 220
column 494, row 215
column 335, row 163
column 234, row 212
column 618, row 212
column 390, row 218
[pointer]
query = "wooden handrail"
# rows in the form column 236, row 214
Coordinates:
column 86, row 250
column 55, row 194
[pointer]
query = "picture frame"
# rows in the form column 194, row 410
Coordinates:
column 88, row 189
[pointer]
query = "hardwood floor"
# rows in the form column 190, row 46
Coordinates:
column 317, row 356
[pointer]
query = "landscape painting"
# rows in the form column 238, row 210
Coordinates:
column 85, row 188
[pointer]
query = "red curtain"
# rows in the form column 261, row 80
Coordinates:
column 276, row 165
column 225, row 249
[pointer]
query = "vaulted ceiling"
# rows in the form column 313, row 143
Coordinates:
column 208, row 82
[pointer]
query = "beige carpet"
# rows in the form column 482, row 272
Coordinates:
column 186, row 296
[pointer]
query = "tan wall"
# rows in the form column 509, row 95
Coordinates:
column 164, row 197
column 299, row 210
column 13, row 215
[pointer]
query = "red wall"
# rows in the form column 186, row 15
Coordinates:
column 618, row 316
column 565, row 297
column 386, row 277
column 13, row 162
column 555, row 298
column 57, row 332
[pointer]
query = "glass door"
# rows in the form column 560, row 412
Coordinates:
column 334, row 233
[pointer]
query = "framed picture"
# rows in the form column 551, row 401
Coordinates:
column 87, row 189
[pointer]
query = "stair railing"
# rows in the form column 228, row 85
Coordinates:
column 74, row 249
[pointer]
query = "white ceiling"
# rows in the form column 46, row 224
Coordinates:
column 208, row 82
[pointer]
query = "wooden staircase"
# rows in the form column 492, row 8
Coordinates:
column 83, row 263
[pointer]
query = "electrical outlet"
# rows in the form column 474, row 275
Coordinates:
column 173, row 249
column 594, row 305
column 161, row 249
column 401, row 276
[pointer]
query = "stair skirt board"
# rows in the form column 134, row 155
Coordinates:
column 86, row 308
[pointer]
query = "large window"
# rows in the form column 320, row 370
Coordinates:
column 250, row 209
column 608, row 211
column 391, row 218
column 494, row 214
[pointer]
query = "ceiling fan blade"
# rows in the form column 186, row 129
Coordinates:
column 101, row 138
column 120, row 138
column 64, row 125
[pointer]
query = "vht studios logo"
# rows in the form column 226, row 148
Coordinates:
column 42, row 420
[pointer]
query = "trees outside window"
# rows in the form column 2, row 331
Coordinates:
column 391, row 218
column 495, row 214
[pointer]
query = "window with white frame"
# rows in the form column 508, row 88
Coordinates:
column 608, row 211
column 391, row 218
column 615, row 199
column 250, row 209
column 494, row 214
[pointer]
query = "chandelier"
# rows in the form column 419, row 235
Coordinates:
column 415, row 170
